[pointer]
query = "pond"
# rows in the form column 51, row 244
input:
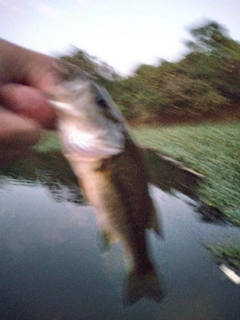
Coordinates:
column 52, row 268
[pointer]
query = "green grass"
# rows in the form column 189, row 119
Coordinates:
column 228, row 252
column 48, row 142
column 211, row 149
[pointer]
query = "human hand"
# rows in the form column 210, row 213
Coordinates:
column 26, row 77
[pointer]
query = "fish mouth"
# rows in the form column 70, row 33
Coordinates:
column 59, row 105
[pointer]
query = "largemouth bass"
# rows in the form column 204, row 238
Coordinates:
column 111, row 172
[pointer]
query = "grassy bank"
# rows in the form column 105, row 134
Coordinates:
column 212, row 150
column 228, row 253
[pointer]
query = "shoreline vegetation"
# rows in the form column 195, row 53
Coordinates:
column 202, row 86
column 227, row 252
column 210, row 149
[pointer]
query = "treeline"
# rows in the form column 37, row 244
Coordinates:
column 204, row 84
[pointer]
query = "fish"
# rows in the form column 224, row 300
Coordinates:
column 112, row 175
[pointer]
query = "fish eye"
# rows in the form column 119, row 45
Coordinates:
column 99, row 96
column 102, row 103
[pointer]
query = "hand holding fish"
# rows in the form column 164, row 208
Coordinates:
column 25, row 78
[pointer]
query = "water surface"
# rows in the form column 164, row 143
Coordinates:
column 52, row 268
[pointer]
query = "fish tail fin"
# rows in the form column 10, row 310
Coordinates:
column 141, row 285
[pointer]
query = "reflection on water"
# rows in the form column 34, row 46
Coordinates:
column 50, row 170
column 52, row 268
column 170, row 175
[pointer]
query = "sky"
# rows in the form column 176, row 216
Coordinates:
column 122, row 33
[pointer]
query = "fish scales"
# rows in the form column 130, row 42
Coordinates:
column 124, row 178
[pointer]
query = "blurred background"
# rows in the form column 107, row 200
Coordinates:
column 175, row 60
column 121, row 33
column 173, row 68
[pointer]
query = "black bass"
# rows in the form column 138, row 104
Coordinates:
column 112, row 175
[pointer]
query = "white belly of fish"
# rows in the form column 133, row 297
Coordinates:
column 100, row 193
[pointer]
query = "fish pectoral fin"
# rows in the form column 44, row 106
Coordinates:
column 154, row 223
column 142, row 285
column 105, row 240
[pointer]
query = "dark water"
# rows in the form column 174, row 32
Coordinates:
column 52, row 268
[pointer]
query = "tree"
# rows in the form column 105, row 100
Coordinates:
column 215, row 57
column 211, row 38
column 205, row 82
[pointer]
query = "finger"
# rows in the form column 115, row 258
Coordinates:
column 17, row 132
column 25, row 66
column 40, row 72
column 28, row 102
